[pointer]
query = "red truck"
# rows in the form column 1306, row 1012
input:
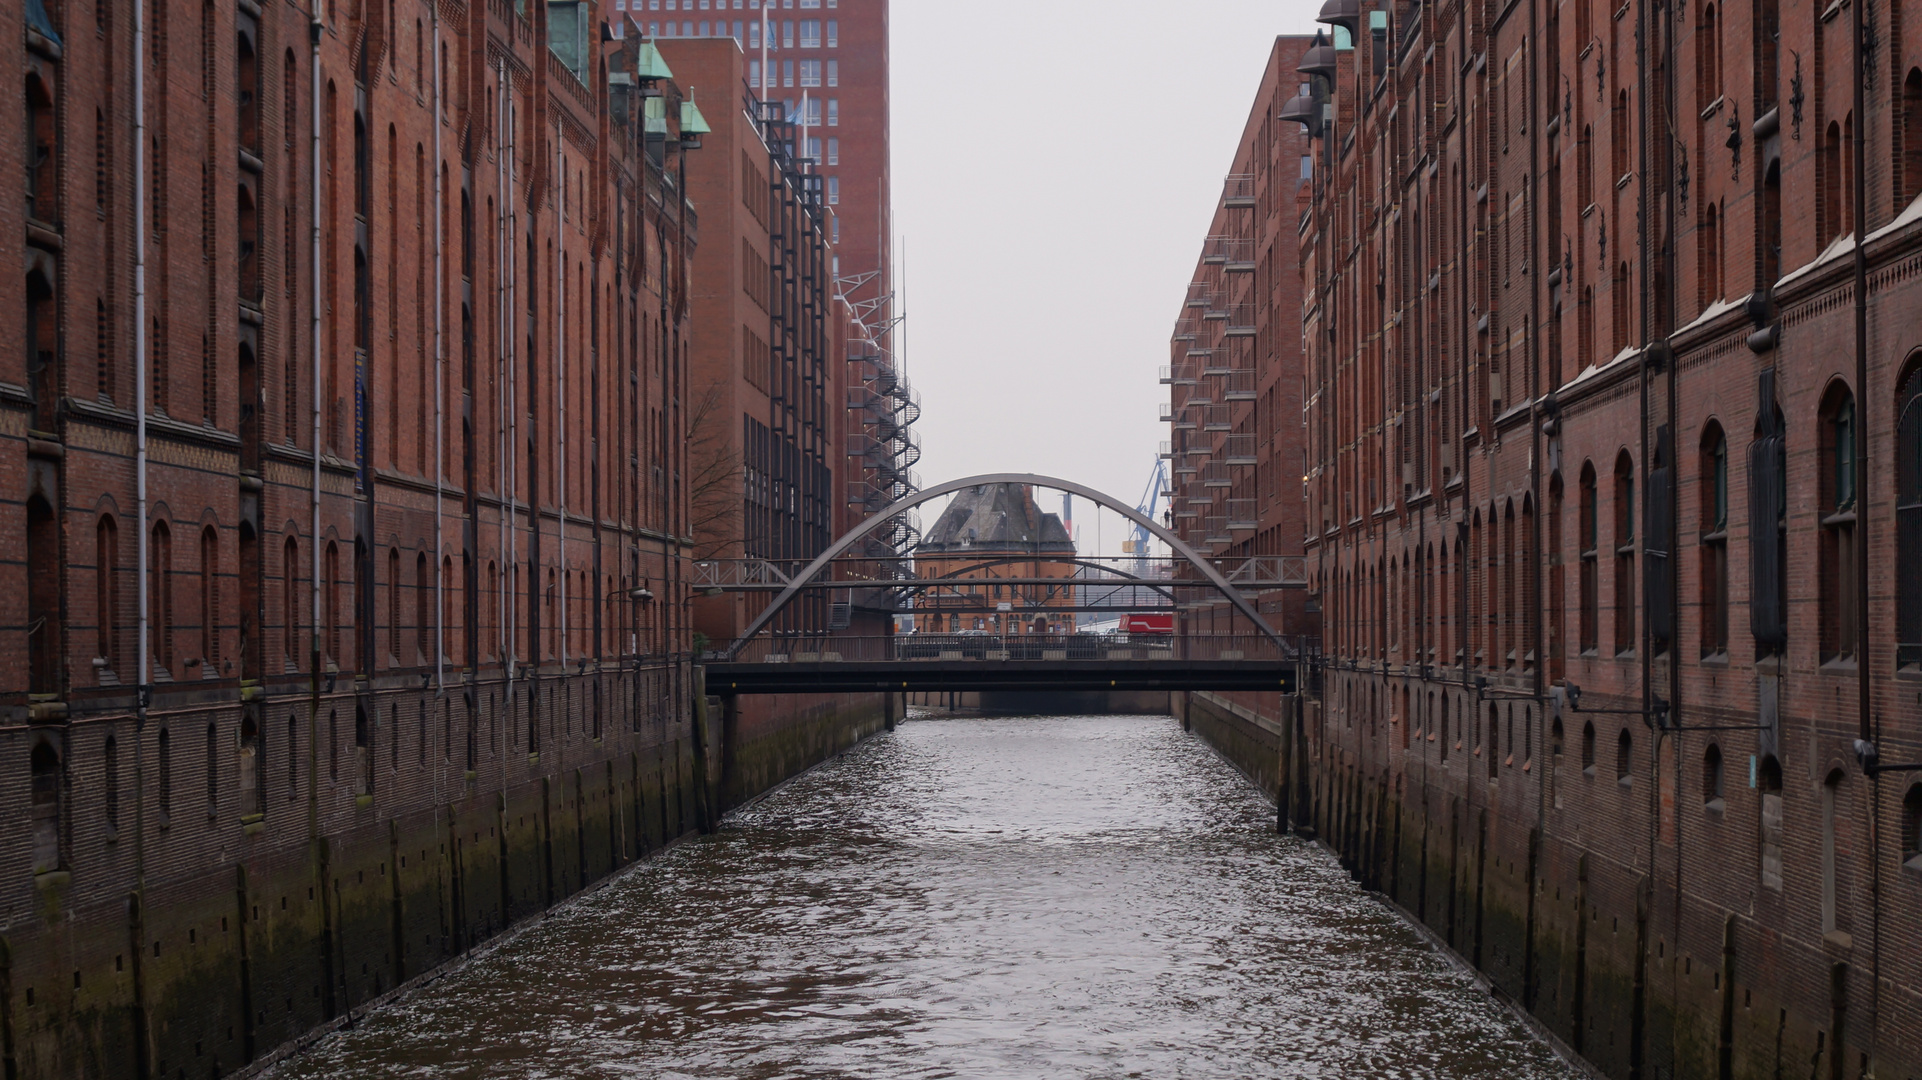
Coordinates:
column 1161, row 622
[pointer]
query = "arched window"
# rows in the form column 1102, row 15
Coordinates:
column 1588, row 748
column 1624, row 540
column 1908, row 518
column 1618, row 138
column 43, row 343
column 393, row 606
column 423, row 608
column 209, row 602
column 1712, row 494
column 213, row 770
column 1769, row 832
column 1712, row 777
column 332, row 603
column 42, row 152
column 1831, row 185
column 1624, row 758
column 1620, row 306
column 110, row 769
column 43, row 597
column 248, row 239
column 1841, row 600
column 363, row 752
column 247, row 87
column 160, row 601
column 290, row 604
column 47, row 783
column 1709, row 252
column 1831, row 869
column 1911, row 138
column 250, row 767
column 1590, row 548
column 164, row 765
column 1912, row 827
column 1708, row 59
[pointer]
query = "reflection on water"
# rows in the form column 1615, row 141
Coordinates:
column 1027, row 897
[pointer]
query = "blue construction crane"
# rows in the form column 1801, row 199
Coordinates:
column 1138, row 545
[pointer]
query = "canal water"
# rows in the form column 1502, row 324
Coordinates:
column 1016, row 897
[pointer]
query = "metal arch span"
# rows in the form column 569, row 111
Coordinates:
column 901, row 506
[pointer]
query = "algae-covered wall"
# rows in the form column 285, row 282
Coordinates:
column 1543, row 868
column 198, row 925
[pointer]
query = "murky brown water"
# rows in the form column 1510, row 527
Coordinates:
column 1033, row 897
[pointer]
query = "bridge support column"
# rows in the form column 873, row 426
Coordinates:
column 889, row 714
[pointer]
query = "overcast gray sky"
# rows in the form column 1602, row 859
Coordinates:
column 1056, row 164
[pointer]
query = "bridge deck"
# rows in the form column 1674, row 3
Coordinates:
column 850, row 676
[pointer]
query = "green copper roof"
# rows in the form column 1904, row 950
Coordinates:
column 692, row 122
column 650, row 64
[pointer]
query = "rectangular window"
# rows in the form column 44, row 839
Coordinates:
column 834, row 151
column 810, row 73
column 835, row 228
column 787, row 73
column 754, row 35
column 754, row 73
column 834, row 112
column 810, row 33
column 705, row 28
column 834, row 34
column 834, row 191
column 813, row 113
column 687, row 29
column 738, row 36
column 787, row 34
column 814, row 150
column 834, row 73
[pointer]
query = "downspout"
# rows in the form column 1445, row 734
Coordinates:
column 503, row 138
column 510, row 394
column 560, row 398
column 315, row 28
column 142, row 1042
column 440, row 378
column 1866, row 723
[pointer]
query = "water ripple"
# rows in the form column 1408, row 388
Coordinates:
column 1022, row 897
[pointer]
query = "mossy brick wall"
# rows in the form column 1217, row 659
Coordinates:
column 1535, row 881
column 354, row 869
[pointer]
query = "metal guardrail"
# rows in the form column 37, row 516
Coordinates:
column 912, row 647
column 754, row 575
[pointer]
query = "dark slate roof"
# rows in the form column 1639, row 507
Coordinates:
column 996, row 516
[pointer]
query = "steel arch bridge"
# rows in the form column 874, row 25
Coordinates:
column 1034, row 665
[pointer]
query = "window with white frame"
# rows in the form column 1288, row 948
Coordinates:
column 787, row 73
column 834, row 112
column 834, row 191
column 787, row 33
column 834, row 33
column 813, row 112
column 754, row 73
column 814, row 149
column 834, row 151
column 810, row 73
column 754, row 35
column 810, row 33
column 834, row 72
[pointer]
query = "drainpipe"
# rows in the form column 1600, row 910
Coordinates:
column 560, row 394
column 145, row 663
column 440, row 379
column 314, row 30
column 511, row 397
column 1866, row 723
column 504, row 139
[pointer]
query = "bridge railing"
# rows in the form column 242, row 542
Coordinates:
column 919, row 647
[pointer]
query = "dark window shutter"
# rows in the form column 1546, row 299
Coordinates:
column 1658, row 569
column 1767, row 617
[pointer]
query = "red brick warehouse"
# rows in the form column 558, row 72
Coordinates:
column 367, row 636
column 1589, row 413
